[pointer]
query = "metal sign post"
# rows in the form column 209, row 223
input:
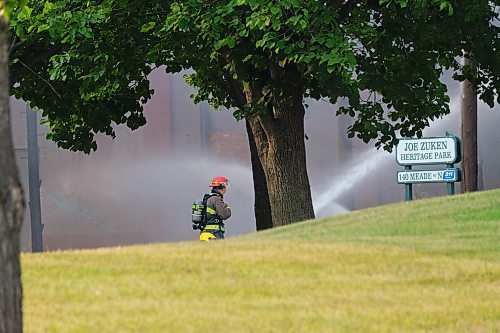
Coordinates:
column 408, row 187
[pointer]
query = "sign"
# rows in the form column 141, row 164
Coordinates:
column 449, row 175
column 440, row 150
column 443, row 150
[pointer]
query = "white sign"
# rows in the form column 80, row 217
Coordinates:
column 442, row 150
column 428, row 176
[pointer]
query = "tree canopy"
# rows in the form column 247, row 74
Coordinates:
column 86, row 58
column 385, row 56
column 82, row 63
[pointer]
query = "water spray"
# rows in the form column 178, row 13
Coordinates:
column 370, row 160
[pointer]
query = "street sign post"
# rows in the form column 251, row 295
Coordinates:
column 428, row 151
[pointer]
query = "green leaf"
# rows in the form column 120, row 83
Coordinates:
column 20, row 33
column 42, row 27
column 47, row 7
column 231, row 42
column 248, row 57
column 243, row 33
column 330, row 43
column 351, row 59
column 27, row 11
column 148, row 26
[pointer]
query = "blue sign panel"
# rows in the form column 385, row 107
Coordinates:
column 449, row 174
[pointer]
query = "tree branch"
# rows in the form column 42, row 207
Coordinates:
column 41, row 56
column 235, row 90
column 13, row 45
column 44, row 80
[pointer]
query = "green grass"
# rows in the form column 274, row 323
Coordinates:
column 428, row 266
column 462, row 225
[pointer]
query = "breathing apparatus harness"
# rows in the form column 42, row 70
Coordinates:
column 199, row 214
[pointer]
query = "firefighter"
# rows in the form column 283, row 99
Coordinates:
column 217, row 210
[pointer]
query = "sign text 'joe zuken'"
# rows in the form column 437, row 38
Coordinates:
column 426, row 151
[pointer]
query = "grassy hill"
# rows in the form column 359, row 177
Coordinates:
column 428, row 266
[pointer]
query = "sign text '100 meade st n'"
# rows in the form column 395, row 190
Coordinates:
column 441, row 150
column 428, row 176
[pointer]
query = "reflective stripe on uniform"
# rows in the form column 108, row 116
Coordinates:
column 213, row 227
column 211, row 211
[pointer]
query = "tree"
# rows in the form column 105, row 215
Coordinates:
column 262, row 58
column 11, row 198
column 74, row 93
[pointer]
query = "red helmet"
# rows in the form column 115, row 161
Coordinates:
column 219, row 181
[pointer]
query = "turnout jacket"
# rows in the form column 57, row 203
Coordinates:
column 217, row 209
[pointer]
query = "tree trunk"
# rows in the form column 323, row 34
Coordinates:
column 11, row 207
column 469, row 135
column 262, row 207
column 279, row 140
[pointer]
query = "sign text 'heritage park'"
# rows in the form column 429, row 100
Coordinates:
column 441, row 150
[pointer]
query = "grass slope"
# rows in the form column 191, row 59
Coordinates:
column 428, row 266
